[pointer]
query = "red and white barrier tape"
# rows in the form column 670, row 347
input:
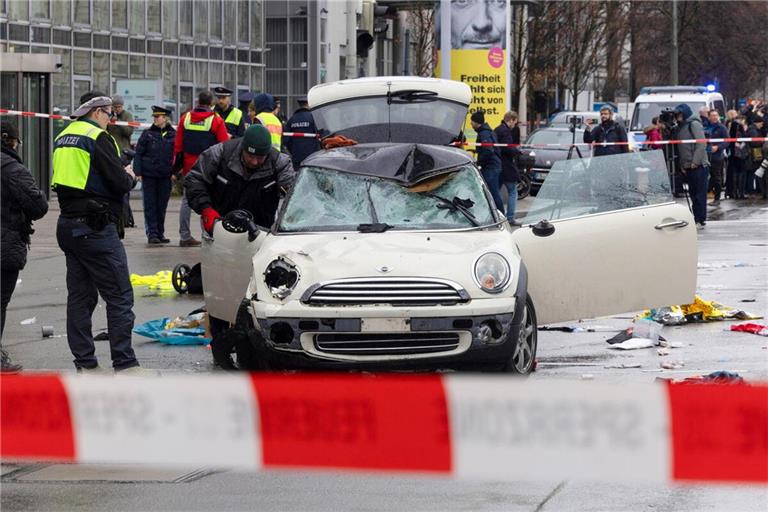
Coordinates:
column 474, row 144
column 461, row 426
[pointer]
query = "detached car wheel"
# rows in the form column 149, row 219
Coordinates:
column 524, row 354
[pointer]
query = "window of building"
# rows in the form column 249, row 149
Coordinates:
column 277, row 30
column 170, row 79
column 186, row 72
column 41, row 9
column 101, row 71
column 299, row 55
column 81, row 62
column 257, row 78
column 101, row 15
column 230, row 22
column 137, row 66
column 216, row 70
column 170, row 20
column 18, row 10
column 230, row 76
column 119, row 14
column 201, row 20
column 185, row 19
column 277, row 56
column 201, row 75
column 136, row 19
column 257, row 40
column 278, row 82
column 298, row 29
column 81, row 86
column 215, row 19
column 154, row 67
column 120, row 43
column 243, row 36
column 83, row 12
column 41, row 49
column 153, row 16
column 243, row 75
column 186, row 101
column 119, row 65
column 62, row 13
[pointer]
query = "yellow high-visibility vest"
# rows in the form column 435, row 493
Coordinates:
column 274, row 126
column 72, row 152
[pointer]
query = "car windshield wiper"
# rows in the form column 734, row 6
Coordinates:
column 376, row 227
column 410, row 96
column 456, row 204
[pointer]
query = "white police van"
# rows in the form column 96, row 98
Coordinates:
column 653, row 100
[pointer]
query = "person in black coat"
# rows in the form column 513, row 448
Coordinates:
column 488, row 159
column 153, row 165
column 510, row 175
column 22, row 202
column 607, row 131
column 301, row 122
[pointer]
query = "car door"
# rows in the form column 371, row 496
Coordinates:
column 227, row 266
column 619, row 242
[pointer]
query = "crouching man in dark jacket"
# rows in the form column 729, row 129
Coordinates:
column 153, row 166
column 240, row 174
column 22, row 202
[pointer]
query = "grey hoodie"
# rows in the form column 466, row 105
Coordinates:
column 692, row 155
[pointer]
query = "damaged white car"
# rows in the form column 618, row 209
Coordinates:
column 389, row 253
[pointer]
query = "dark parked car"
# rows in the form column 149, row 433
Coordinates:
column 558, row 141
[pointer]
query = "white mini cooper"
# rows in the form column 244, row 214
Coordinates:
column 390, row 253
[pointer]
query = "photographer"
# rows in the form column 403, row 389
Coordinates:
column 607, row 131
column 693, row 160
column 22, row 202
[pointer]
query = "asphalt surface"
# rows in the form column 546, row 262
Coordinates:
column 733, row 259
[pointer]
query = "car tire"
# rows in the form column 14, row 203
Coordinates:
column 523, row 359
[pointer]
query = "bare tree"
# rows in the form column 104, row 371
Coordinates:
column 422, row 23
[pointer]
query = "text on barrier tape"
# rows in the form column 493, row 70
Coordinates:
column 137, row 124
column 462, row 426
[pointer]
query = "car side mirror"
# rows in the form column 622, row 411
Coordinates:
column 543, row 228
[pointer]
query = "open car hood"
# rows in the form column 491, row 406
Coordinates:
column 391, row 109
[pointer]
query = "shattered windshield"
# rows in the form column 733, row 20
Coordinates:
column 585, row 186
column 326, row 200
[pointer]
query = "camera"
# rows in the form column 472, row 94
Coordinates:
column 574, row 120
column 667, row 116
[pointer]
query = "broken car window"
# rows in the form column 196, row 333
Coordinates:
column 326, row 200
column 585, row 186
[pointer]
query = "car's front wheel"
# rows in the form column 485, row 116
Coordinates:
column 526, row 340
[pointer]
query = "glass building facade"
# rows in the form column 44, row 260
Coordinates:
column 190, row 44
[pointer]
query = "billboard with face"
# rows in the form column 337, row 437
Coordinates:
column 473, row 37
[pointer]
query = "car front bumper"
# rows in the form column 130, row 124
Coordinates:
column 478, row 333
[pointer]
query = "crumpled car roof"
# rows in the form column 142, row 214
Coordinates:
column 405, row 163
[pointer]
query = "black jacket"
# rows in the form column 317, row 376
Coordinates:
column 301, row 147
column 488, row 158
column 22, row 202
column 219, row 180
column 506, row 135
column 154, row 152
column 609, row 131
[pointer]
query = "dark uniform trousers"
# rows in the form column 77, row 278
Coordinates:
column 156, row 193
column 97, row 265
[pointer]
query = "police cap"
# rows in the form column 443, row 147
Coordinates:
column 160, row 111
column 222, row 91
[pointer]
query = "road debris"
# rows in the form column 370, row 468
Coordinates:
column 624, row 366
column 188, row 330
column 752, row 328
column 671, row 365
column 47, row 331
column 700, row 311
column 29, row 321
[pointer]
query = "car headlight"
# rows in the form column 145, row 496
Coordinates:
column 281, row 277
column 492, row 272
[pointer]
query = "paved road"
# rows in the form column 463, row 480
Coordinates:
column 733, row 259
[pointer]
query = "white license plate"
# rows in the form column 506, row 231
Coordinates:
column 384, row 324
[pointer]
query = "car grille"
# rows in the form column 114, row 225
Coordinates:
column 395, row 343
column 394, row 291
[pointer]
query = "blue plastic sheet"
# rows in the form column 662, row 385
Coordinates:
column 155, row 329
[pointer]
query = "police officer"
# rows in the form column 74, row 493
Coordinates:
column 246, row 173
column 244, row 100
column 233, row 117
column 265, row 113
column 301, row 122
column 90, row 181
column 198, row 130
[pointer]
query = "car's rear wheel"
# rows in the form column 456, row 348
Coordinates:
column 523, row 357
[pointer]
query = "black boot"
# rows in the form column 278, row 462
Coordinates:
column 7, row 365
